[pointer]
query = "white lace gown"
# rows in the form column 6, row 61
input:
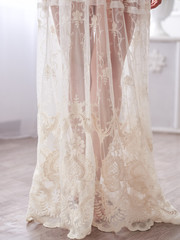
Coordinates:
column 95, row 155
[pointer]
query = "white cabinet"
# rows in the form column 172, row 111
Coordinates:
column 164, row 84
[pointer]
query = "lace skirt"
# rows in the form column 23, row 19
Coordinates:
column 95, row 155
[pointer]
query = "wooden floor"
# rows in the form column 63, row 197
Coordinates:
column 17, row 163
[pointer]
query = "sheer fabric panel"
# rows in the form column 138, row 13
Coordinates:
column 95, row 155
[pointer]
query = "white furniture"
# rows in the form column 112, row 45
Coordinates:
column 158, row 15
column 164, row 84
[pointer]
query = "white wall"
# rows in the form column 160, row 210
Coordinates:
column 17, row 68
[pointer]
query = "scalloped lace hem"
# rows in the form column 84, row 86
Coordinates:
column 50, row 222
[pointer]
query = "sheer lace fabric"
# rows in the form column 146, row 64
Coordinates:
column 95, row 155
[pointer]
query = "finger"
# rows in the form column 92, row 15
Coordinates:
column 155, row 3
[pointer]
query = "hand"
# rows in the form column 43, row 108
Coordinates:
column 155, row 3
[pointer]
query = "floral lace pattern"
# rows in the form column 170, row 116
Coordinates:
column 95, row 153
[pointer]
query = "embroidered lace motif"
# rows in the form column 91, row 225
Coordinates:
column 95, row 154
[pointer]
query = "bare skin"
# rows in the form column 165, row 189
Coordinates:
column 101, row 150
column 55, row 12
